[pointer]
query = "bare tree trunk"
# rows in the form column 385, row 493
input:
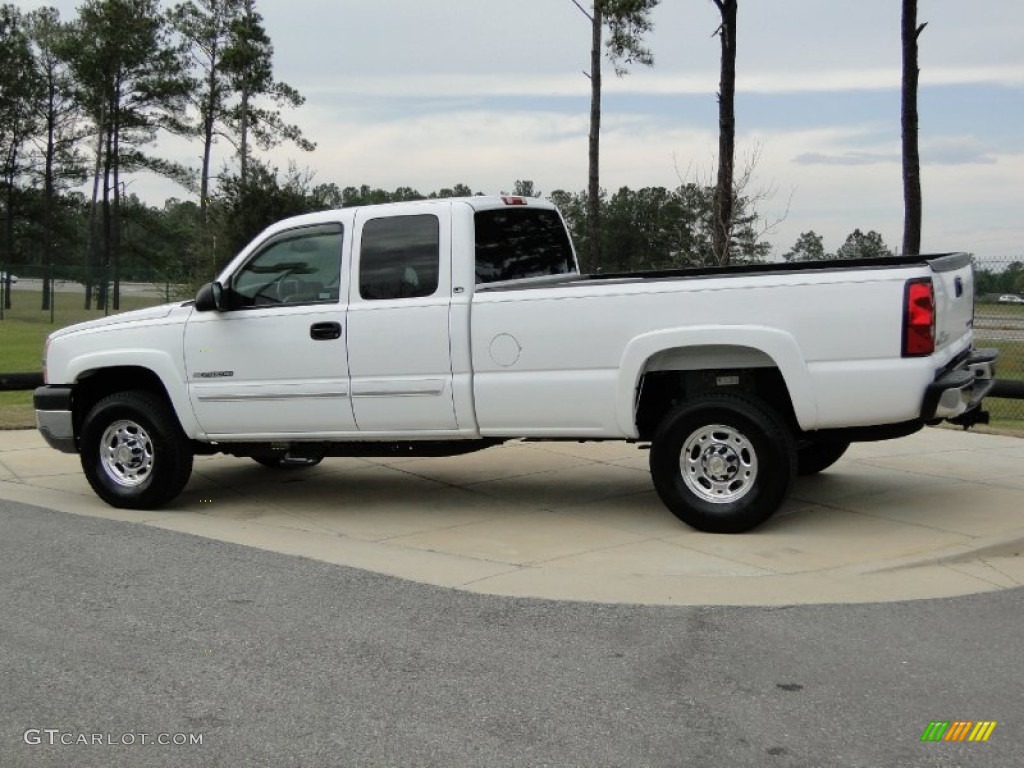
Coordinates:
column 594, row 157
column 911, row 157
column 115, row 233
column 48, row 191
column 208, row 121
column 243, row 146
column 102, row 298
column 243, row 128
column 8, row 238
column 94, row 235
column 5, row 292
column 724, row 199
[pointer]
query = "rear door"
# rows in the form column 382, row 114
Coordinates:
column 398, row 320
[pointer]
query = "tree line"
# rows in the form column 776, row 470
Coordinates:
column 627, row 21
column 83, row 100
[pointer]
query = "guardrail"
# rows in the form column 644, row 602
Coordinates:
column 1012, row 389
column 12, row 382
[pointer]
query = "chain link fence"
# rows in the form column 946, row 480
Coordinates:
column 70, row 294
column 999, row 323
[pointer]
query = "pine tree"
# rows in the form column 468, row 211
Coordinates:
column 627, row 22
column 133, row 80
column 248, row 61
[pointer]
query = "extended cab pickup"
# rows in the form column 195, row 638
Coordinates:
column 445, row 326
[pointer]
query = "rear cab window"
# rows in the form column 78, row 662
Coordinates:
column 513, row 243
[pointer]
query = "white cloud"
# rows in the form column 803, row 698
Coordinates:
column 407, row 93
column 430, row 85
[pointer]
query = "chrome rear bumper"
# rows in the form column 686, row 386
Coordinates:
column 961, row 389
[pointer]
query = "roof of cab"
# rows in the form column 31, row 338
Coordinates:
column 477, row 203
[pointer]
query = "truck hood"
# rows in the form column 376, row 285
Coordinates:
column 135, row 316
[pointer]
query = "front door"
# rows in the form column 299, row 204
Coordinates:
column 274, row 362
column 398, row 335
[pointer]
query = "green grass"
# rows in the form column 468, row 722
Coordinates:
column 1009, row 311
column 23, row 333
column 1006, row 414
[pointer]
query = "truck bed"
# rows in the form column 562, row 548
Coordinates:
column 940, row 262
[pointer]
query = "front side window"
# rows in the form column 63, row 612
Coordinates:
column 399, row 258
column 295, row 268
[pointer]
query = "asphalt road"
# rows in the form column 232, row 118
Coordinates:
column 114, row 630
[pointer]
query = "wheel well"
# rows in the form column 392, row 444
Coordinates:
column 660, row 391
column 93, row 386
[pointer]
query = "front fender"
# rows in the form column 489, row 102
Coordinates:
column 161, row 363
column 778, row 346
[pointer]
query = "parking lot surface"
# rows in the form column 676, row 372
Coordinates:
column 937, row 514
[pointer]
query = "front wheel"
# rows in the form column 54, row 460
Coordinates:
column 723, row 463
column 133, row 451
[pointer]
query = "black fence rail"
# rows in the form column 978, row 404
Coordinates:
column 47, row 295
column 13, row 382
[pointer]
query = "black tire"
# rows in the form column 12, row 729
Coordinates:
column 741, row 461
column 819, row 455
column 287, row 461
column 133, row 451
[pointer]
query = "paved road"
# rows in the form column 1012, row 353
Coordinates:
column 116, row 629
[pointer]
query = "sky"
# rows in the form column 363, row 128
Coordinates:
column 430, row 93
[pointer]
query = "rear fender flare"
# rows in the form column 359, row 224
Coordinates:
column 780, row 347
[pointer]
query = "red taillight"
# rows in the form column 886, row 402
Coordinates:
column 918, row 318
column 511, row 200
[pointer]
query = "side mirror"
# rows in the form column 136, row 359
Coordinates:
column 210, row 297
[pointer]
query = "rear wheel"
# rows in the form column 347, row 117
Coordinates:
column 723, row 463
column 133, row 451
column 819, row 455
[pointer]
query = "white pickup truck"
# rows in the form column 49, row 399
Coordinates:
column 445, row 326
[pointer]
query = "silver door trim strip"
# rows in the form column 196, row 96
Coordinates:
column 261, row 396
column 399, row 387
column 393, row 393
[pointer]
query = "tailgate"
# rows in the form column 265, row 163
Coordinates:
column 954, row 297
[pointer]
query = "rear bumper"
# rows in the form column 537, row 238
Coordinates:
column 54, row 417
column 961, row 389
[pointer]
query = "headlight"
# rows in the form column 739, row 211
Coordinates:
column 46, row 351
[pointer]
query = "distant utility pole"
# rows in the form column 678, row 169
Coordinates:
column 911, row 30
column 725, row 195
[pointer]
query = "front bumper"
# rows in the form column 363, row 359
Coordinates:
column 961, row 389
column 54, row 417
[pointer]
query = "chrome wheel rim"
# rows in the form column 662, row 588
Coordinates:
column 718, row 464
column 126, row 453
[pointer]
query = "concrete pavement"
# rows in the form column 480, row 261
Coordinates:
column 937, row 514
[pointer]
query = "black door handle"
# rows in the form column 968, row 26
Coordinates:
column 325, row 331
